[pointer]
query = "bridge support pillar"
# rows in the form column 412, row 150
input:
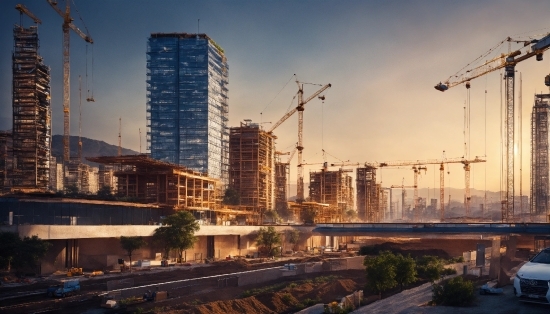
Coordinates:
column 511, row 247
column 494, row 269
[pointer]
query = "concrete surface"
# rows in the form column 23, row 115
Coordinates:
column 414, row 301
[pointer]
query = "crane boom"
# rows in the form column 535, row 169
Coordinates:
column 23, row 10
column 291, row 112
column 67, row 25
column 508, row 62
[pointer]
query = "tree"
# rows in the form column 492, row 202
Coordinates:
column 178, row 232
column 268, row 238
column 21, row 253
column 105, row 193
column 380, row 272
column 429, row 267
column 351, row 214
column 9, row 244
column 293, row 237
column 454, row 292
column 271, row 216
column 231, row 197
column 405, row 270
column 71, row 190
column 130, row 244
column 308, row 215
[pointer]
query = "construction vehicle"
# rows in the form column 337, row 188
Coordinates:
column 508, row 62
column 74, row 271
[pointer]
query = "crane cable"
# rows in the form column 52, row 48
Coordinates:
column 293, row 75
column 89, row 97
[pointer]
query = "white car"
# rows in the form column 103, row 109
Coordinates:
column 532, row 280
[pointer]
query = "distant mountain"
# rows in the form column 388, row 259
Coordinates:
column 90, row 148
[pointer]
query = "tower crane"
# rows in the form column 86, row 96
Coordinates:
column 67, row 25
column 300, row 146
column 418, row 165
column 23, row 10
column 403, row 194
column 507, row 62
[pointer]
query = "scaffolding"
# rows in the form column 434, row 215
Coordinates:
column 334, row 188
column 368, row 193
column 282, row 173
column 251, row 159
column 6, row 159
column 187, row 102
column 31, row 112
column 540, row 184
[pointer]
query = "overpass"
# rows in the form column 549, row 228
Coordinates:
column 430, row 230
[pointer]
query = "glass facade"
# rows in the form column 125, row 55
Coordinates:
column 187, row 103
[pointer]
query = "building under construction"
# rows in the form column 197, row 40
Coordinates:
column 6, row 159
column 540, row 169
column 368, row 193
column 156, row 182
column 251, row 160
column 282, row 172
column 334, row 188
column 166, row 185
column 31, row 112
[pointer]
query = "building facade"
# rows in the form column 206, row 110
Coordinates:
column 251, row 156
column 187, row 102
column 31, row 112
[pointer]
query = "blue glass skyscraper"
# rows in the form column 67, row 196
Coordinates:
column 187, row 103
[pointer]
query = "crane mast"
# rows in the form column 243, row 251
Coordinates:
column 508, row 62
column 66, row 27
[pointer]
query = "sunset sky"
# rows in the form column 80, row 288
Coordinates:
column 382, row 58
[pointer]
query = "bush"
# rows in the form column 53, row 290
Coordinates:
column 287, row 298
column 368, row 250
column 429, row 267
column 448, row 272
column 454, row 292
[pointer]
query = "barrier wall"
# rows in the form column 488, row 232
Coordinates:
column 186, row 286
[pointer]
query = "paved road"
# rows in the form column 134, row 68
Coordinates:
column 413, row 301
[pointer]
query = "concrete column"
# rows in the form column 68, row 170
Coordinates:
column 494, row 269
column 511, row 247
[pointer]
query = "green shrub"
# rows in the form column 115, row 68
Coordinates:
column 454, row 292
column 429, row 267
column 368, row 250
column 448, row 272
column 287, row 298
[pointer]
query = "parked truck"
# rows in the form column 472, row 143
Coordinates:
column 68, row 287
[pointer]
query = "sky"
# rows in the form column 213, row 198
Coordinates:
column 382, row 58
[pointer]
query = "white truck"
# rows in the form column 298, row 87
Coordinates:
column 533, row 279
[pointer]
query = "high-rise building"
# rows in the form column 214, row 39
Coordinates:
column 31, row 112
column 187, row 103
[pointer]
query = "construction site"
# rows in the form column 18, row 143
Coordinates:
column 194, row 158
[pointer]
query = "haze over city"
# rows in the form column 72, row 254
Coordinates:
column 382, row 59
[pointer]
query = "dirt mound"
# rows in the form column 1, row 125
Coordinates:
column 247, row 305
column 333, row 290
column 279, row 302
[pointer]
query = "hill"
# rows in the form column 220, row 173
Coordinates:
column 90, row 148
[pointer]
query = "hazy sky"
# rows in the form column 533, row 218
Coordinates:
column 381, row 57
